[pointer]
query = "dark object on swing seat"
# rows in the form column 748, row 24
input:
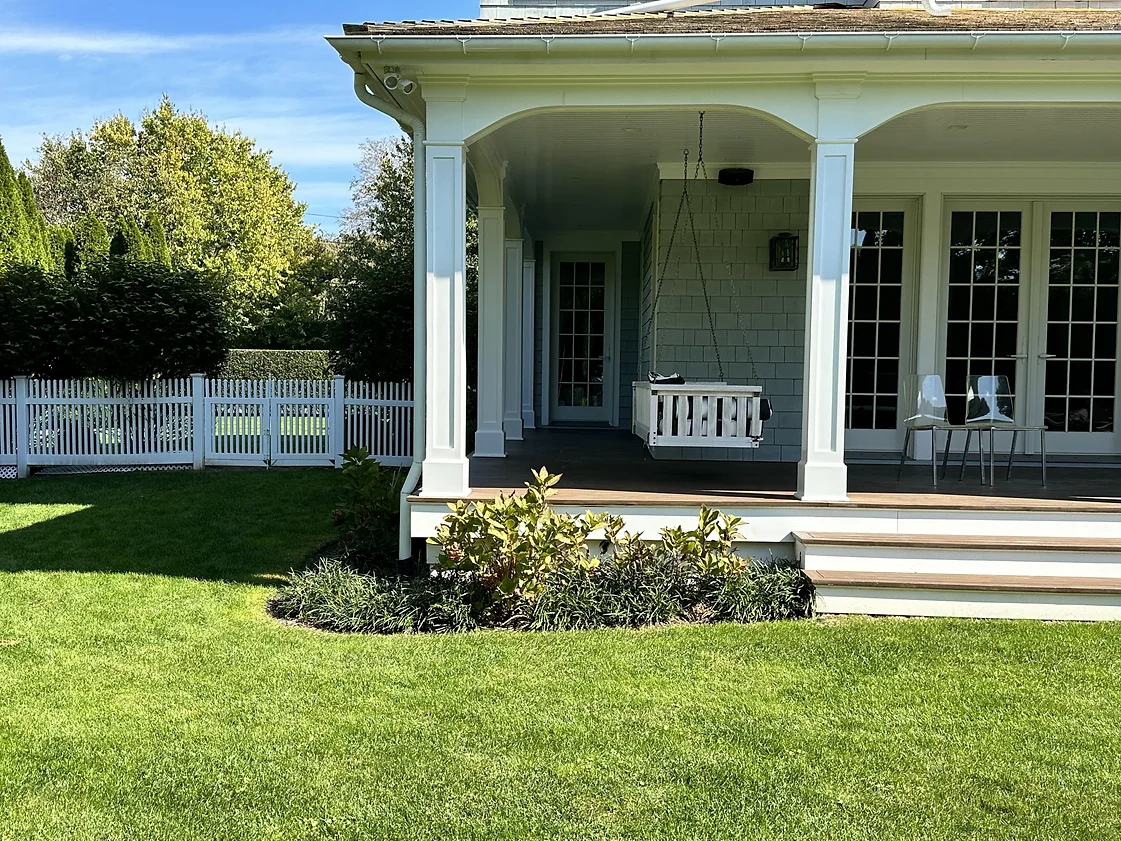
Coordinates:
column 765, row 410
column 671, row 379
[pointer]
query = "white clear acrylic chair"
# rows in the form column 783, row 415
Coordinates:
column 924, row 408
column 989, row 408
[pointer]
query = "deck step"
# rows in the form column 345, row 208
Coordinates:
column 976, row 596
column 1000, row 555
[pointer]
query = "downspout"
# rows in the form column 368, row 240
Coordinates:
column 414, row 125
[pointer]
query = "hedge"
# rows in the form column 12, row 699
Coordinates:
column 278, row 364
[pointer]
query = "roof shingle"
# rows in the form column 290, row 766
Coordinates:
column 762, row 21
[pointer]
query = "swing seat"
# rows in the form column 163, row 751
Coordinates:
column 698, row 414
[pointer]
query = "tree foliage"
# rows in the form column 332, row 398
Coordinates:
column 91, row 241
column 17, row 237
column 115, row 318
column 224, row 207
column 370, row 330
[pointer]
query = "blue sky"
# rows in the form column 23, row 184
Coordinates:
column 259, row 67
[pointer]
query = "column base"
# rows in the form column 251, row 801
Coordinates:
column 512, row 427
column 529, row 419
column 490, row 443
column 823, row 481
column 446, row 478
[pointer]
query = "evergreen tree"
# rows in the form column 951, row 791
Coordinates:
column 61, row 247
column 91, row 240
column 157, row 239
column 15, row 244
column 129, row 241
column 38, row 251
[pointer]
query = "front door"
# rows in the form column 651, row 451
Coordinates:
column 583, row 318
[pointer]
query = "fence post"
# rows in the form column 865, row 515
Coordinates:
column 23, row 429
column 337, row 420
column 198, row 421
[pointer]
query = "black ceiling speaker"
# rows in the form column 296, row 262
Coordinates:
column 736, row 176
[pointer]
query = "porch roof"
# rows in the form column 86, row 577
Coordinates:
column 802, row 19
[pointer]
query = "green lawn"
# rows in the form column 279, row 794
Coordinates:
column 145, row 695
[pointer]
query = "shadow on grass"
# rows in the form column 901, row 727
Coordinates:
column 229, row 525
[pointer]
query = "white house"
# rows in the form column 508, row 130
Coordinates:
column 953, row 181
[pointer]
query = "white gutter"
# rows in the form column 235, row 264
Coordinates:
column 414, row 125
column 624, row 44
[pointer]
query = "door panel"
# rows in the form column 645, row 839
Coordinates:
column 583, row 381
column 1076, row 339
column 984, row 302
column 878, row 331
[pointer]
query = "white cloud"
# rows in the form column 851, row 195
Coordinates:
column 26, row 40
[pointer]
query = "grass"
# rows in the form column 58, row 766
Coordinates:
column 145, row 695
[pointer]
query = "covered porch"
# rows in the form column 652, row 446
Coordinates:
column 935, row 235
column 609, row 468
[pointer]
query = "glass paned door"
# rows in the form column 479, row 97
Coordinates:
column 876, row 331
column 1077, row 346
column 983, row 301
column 583, row 377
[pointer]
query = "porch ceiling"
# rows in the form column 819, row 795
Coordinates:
column 597, row 170
column 1077, row 134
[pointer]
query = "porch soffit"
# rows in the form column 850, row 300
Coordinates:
column 596, row 170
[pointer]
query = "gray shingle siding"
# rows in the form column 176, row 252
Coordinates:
column 751, row 305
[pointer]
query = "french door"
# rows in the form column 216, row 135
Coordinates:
column 1032, row 295
column 1074, row 344
column 583, row 370
column 986, row 302
column 879, row 326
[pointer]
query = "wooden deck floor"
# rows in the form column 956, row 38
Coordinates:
column 609, row 467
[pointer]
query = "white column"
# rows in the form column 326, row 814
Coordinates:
column 529, row 348
column 822, row 475
column 445, row 456
column 929, row 283
column 490, row 441
column 512, row 411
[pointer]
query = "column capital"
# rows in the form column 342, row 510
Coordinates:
column 443, row 88
column 838, row 85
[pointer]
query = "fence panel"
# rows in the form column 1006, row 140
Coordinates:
column 230, row 422
column 7, row 423
column 98, row 422
column 301, row 423
column 237, row 422
column 379, row 417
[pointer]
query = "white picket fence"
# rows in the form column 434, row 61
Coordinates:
column 199, row 422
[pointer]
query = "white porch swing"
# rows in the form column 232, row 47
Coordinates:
column 670, row 412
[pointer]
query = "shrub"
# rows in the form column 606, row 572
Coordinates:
column 367, row 513
column 511, row 544
column 277, row 364
column 333, row 596
column 116, row 319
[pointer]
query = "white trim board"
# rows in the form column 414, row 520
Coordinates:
column 964, row 178
column 775, row 524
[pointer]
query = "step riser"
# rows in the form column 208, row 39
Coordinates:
column 891, row 601
column 962, row 561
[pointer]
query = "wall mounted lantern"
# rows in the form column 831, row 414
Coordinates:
column 784, row 252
